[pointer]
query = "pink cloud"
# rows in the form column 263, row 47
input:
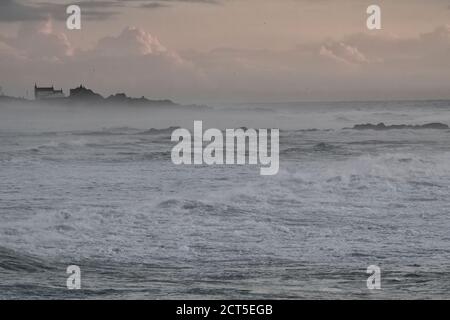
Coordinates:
column 342, row 52
column 132, row 41
column 40, row 41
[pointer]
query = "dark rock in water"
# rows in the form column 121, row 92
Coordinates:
column 435, row 125
column 160, row 131
column 322, row 146
column 382, row 126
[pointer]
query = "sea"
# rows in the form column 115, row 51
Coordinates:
column 95, row 187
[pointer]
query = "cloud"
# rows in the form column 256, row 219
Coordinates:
column 399, row 52
column 91, row 10
column 7, row 51
column 156, row 4
column 39, row 41
column 342, row 52
column 152, row 5
column 180, row 1
column 133, row 61
column 16, row 10
column 19, row 10
column 13, row 10
column 440, row 34
column 360, row 66
column 131, row 42
column 137, row 62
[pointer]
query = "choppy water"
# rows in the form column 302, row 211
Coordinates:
column 111, row 201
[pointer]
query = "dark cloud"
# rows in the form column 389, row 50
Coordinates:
column 13, row 10
column 92, row 10
column 19, row 10
column 152, row 4
column 161, row 1
column 16, row 10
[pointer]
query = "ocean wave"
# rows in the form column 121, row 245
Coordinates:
column 318, row 147
column 11, row 260
column 107, row 131
column 370, row 170
column 323, row 146
column 198, row 207
column 59, row 144
column 161, row 155
column 311, row 130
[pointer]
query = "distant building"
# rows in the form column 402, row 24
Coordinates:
column 1, row 91
column 83, row 93
column 43, row 93
column 118, row 97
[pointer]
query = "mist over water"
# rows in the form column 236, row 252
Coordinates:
column 285, row 116
column 96, row 188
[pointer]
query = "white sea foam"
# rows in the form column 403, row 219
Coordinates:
column 343, row 199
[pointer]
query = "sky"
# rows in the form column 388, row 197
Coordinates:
column 206, row 51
